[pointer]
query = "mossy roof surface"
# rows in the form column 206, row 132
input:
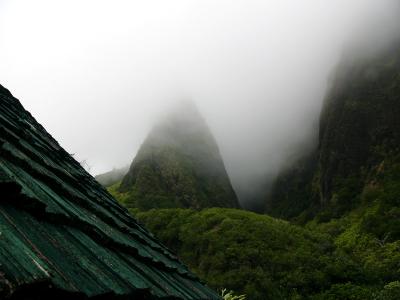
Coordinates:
column 60, row 228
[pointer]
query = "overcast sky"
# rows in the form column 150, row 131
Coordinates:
column 97, row 73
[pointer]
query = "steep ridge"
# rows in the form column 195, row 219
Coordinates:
column 62, row 234
column 178, row 165
column 359, row 141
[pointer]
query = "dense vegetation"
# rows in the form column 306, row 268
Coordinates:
column 342, row 203
column 355, row 256
column 178, row 166
column 257, row 255
column 267, row 258
column 359, row 132
column 350, row 187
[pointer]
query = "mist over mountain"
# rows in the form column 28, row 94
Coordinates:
column 257, row 70
column 342, row 198
column 178, row 166
column 358, row 148
column 112, row 177
column 293, row 113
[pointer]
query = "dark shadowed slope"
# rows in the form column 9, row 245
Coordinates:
column 62, row 235
column 359, row 141
column 179, row 165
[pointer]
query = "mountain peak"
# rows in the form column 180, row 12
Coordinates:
column 179, row 165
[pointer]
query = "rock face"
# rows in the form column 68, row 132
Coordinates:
column 179, row 165
column 359, row 140
column 62, row 236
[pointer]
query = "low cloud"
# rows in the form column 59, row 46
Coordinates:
column 98, row 73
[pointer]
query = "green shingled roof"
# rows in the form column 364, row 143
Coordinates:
column 61, row 232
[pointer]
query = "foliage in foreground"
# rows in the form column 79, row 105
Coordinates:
column 231, row 296
column 263, row 257
column 354, row 257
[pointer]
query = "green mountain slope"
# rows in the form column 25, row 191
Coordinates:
column 178, row 165
column 349, row 187
column 345, row 194
column 359, row 142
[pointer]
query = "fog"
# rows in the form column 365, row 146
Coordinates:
column 97, row 73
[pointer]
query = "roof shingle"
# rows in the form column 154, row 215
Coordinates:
column 61, row 231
